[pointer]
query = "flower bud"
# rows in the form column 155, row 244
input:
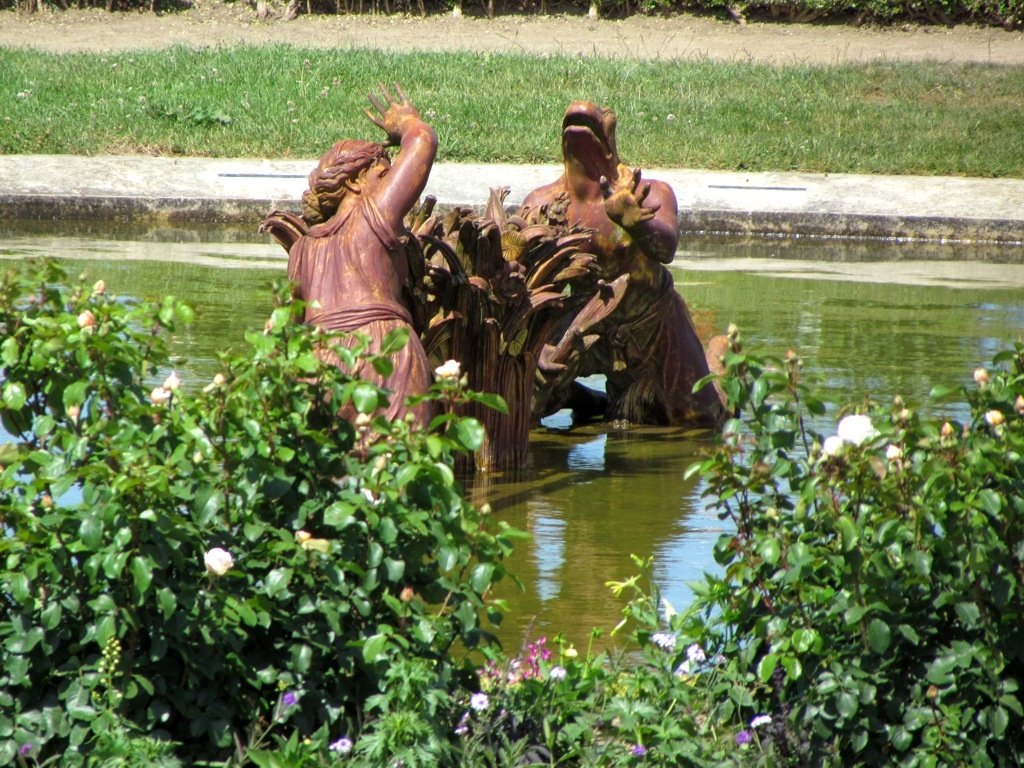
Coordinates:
column 994, row 418
column 981, row 376
column 159, row 396
column 947, row 430
column 218, row 561
column 86, row 319
column 407, row 595
column 73, row 412
column 1018, row 404
column 99, row 288
column 450, row 370
column 172, row 382
column 197, row 457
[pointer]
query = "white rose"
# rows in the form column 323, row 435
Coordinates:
column 833, row 444
column 159, row 396
column 172, row 382
column 218, row 561
column 856, row 429
column 86, row 319
column 450, row 370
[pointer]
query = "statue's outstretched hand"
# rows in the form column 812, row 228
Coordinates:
column 394, row 115
column 624, row 197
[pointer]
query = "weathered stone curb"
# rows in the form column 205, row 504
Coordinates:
column 199, row 190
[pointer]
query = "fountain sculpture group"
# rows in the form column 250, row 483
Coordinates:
column 572, row 283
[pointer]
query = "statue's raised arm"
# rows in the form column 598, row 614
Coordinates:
column 396, row 189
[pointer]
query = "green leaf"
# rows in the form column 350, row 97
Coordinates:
column 365, row 397
column 480, row 579
column 373, row 648
column 277, row 581
column 879, row 636
column 848, row 531
column 142, row 572
column 74, row 393
column 770, row 550
column 14, row 395
column 846, row 704
column 766, row 667
column 469, row 433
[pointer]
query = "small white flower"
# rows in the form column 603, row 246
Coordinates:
column 856, row 429
column 172, row 382
column 479, row 702
column 695, row 654
column 218, row 561
column 760, row 720
column 557, row 673
column 450, row 370
column 832, row 445
column 893, row 452
column 664, row 640
column 159, row 396
column 342, row 746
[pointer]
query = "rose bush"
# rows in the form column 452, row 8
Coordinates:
column 235, row 540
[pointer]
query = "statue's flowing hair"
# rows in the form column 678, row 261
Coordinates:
column 341, row 163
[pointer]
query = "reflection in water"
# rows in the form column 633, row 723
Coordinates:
column 870, row 320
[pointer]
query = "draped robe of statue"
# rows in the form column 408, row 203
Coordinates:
column 339, row 274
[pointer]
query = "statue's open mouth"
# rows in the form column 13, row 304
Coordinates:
column 585, row 139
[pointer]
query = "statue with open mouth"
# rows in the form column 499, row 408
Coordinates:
column 648, row 348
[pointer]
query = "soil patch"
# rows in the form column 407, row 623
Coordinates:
column 681, row 37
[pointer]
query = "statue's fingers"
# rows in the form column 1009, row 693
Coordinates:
column 375, row 119
column 606, row 186
column 377, row 104
column 642, row 191
column 401, row 94
column 636, row 177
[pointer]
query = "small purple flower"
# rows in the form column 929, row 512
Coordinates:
column 695, row 654
column 463, row 727
column 25, row 749
column 289, row 699
column 342, row 746
column 743, row 737
column 478, row 702
column 638, row 750
column 665, row 641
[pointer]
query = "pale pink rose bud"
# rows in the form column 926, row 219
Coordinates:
column 450, row 370
column 73, row 412
column 893, row 452
column 197, row 457
column 363, row 420
column 406, row 595
column 994, row 418
column 1018, row 404
column 159, row 396
column 86, row 319
column 268, row 326
column 99, row 288
column 218, row 561
column 981, row 376
column 172, row 382
column 947, row 430
column 303, row 536
column 218, row 379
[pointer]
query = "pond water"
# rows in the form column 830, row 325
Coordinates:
column 871, row 320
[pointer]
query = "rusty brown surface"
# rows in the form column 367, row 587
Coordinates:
column 648, row 348
column 346, row 253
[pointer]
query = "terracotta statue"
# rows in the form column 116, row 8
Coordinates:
column 648, row 348
column 346, row 254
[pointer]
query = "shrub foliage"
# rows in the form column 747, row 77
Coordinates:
column 199, row 561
